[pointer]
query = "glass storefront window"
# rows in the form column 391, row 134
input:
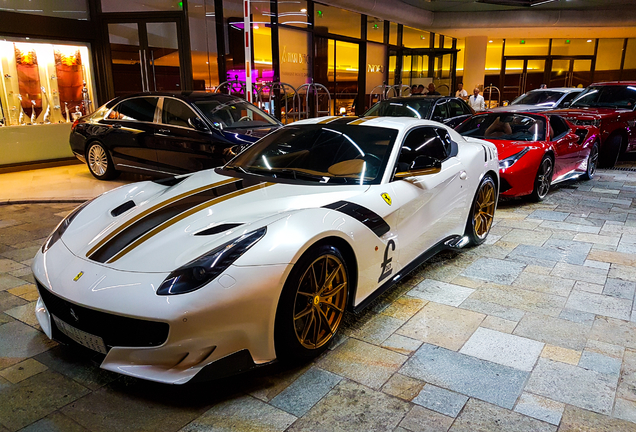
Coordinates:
column 392, row 68
column 494, row 51
column 393, row 33
column 414, row 38
column 73, row 9
column 448, row 42
column 328, row 19
column 375, row 30
column 629, row 68
column 406, row 70
column 346, row 72
column 44, row 82
column 527, row 47
column 375, row 70
column 438, row 41
column 234, row 43
column 295, row 63
column 573, row 46
column 293, row 13
column 140, row 6
column 608, row 60
column 262, row 36
column 461, row 46
column 205, row 68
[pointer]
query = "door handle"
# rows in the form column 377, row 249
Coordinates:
column 463, row 175
column 164, row 130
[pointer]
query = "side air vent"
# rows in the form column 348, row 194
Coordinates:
column 122, row 208
column 218, row 229
column 170, row 181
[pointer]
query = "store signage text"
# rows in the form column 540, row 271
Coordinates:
column 375, row 68
column 291, row 57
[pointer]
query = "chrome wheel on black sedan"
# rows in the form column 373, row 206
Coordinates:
column 99, row 162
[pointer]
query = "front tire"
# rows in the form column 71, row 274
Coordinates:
column 99, row 162
column 592, row 163
column 482, row 211
column 312, row 304
column 543, row 180
column 611, row 151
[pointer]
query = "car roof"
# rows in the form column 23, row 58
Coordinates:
column 192, row 96
column 558, row 89
column 416, row 97
column 614, row 83
column 399, row 123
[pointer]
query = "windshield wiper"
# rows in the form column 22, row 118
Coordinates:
column 236, row 168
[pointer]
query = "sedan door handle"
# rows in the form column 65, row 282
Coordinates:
column 164, row 130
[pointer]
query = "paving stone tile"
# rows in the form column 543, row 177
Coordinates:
column 580, row 420
column 569, row 227
column 579, row 272
column 502, row 348
column 267, row 386
column 577, row 316
column 610, row 350
column 9, row 301
column 243, row 413
column 303, row 393
column 600, row 304
column 441, row 400
column 479, row 416
column 600, row 363
column 554, row 331
column 620, row 217
column 546, row 284
column 526, row 225
column 27, row 292
column 584, row 221
column 402, row 387
column 36, row 397
column 401, row 344
column 441, row 292
column 540, row 408
column 618, row 271
column 422, row 419
column 7, row 265
column 614, row 331
column 619, row 288
column 7, row 282
column 626, row 248
column 563, row 355
column 548, row 215
column 442, row 271
column 404, row 308
column 589, row 287
column 54, row 422
column 625, row 410
column 598, row 239
column 597, row 264
column 627, row 381
column 21, row 254
column 23, row 370
column 362, row 362
column 377, row 329
column 18, row 342
column 349, row 407
column 494, row 270
column 519, row 298
column 612, row 257
column 537, row 269
column 468, row 375
column 442, row 325
column 494, row 309
column 24, row 313
column 573, row 385
column 527, row 237
column 499, row 324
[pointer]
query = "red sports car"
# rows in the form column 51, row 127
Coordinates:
column 536, row 150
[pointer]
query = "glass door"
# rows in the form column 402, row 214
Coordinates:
column 571, row 73
column 521, row 76
column 144, row 57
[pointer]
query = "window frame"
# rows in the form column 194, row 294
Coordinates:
column 114, row 108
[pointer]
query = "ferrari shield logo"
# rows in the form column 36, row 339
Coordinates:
column 387, row 198
column 79, row 275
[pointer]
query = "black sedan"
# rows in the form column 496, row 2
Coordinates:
column 444, row 109
column 164, row 134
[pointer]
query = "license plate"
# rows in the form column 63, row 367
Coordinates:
column 88, row 340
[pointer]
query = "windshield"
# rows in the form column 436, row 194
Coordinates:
column 234, row 114
column 418, row 108
column 333, row 154
column 542, row 98
column 614, row 96
column 508, row 127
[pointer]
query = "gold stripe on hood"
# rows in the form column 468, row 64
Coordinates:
column 152, row 209
column 184, row 215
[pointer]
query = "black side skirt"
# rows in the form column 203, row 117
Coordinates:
column 239, row 362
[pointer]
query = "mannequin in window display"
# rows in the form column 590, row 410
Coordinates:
column 29, row 82
column 70, row 77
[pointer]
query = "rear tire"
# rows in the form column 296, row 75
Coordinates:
column 592, row 163
column 99, row 162
column 312, row 304
column 482, row 211
column 543, row 180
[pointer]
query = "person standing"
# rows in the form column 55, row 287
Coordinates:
column 432, row 91
column 476, row 101
column 461, row 93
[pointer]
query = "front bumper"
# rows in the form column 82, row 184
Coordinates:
column 233, row 314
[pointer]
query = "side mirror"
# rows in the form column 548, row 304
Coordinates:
column 198, row 124
column 422, row 165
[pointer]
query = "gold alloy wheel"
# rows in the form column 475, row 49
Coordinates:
column 320, row 301
column 484, row 210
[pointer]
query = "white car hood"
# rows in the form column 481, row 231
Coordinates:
column 142, row 240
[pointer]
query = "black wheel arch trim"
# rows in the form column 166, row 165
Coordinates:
column 366, row 216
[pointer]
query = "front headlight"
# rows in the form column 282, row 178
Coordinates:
column 510, row 160
column 61, row 228
column 207, row 267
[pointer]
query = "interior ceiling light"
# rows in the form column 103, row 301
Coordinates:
column 303, row 10
column 523, row 3
column 489, row 41
column 589, row 40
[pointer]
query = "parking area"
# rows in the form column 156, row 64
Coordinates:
column 533, row 331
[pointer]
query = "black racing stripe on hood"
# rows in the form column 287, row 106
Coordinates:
column 154, row 219
column 368, row 217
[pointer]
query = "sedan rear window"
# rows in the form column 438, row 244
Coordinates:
column 614, row 96
column 507, row 127
column 418, row 108
column 137, row 109
column 545, row 98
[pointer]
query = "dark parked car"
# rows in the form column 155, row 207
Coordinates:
column 542, row 100
column 610, row 106
column 164, row 134
column 445, row 109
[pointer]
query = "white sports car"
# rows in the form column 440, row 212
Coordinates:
column 213, row 273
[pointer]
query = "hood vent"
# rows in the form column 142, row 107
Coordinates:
column 123, row 208
column 170, row 181
column 218, row 229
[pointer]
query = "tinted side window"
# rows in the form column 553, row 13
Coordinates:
column 440, row 110
column 559, row 126
column 137, row 109
column 568, row 98
column 175, row 112
column 423, row 142
column 456, row 109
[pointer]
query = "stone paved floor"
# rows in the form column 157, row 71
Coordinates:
column 533, row 331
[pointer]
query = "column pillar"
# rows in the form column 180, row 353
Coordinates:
column 474, row 62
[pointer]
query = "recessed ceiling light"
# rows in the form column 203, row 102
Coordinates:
column 489, row 41
column 589, row 40
column 303, row 10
